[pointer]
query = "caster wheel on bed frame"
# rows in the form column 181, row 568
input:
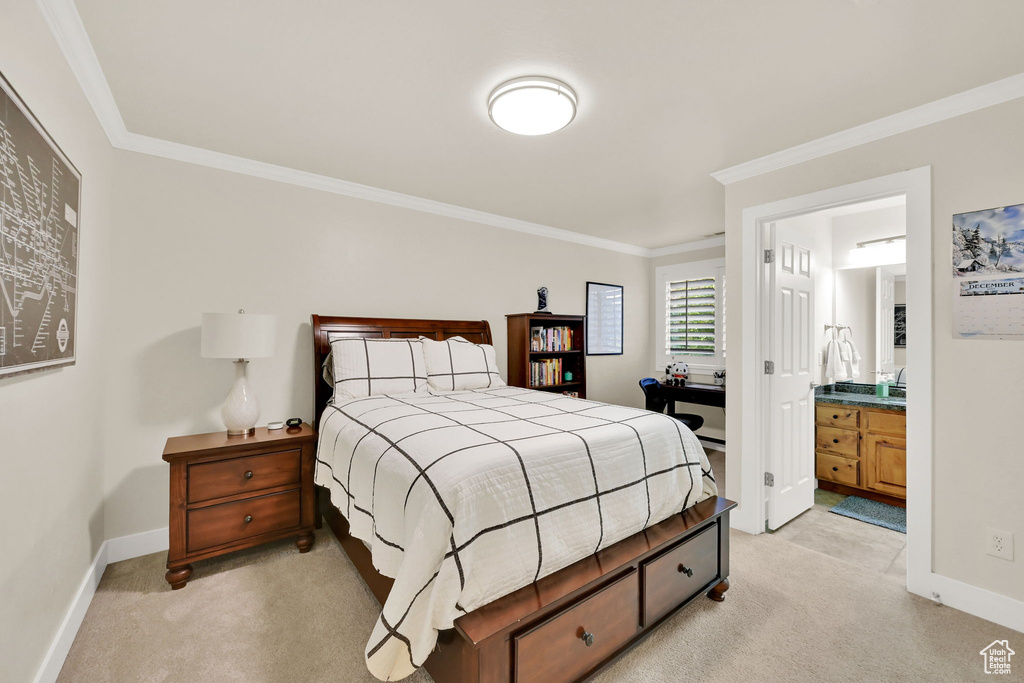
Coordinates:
column 718, row 592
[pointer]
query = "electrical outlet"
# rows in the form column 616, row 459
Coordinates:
column 1000, row 544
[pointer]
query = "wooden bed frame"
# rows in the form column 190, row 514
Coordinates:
column 570, row 624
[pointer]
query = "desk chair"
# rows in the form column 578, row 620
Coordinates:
column 656, row 402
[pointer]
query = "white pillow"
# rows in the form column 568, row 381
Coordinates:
column 456, row 364
column 371, row 367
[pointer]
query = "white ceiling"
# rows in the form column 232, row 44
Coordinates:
column 393, row 94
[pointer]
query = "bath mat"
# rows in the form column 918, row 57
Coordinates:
column 872, row 512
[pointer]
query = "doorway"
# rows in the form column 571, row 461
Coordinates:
column 837, row 422
column 757, row 295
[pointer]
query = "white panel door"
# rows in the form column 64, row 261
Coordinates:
column 791, row 393
column 885, row 323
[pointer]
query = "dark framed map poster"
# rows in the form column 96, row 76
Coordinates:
column 40, row 194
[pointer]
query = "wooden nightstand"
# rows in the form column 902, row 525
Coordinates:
column 234, row 492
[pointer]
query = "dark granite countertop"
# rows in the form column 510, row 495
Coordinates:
column 861, row 395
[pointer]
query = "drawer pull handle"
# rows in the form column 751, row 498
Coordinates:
column 587, row 638
column 683, row 569
column 835, row 440
column 248, row 474
column 836, row 417
column 835, row 469
column 248, row 518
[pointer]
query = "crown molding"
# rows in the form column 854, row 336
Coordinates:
column 67, row 28
column 695, row 245
column 283, row 174
column 965, row 102
column 66, row 25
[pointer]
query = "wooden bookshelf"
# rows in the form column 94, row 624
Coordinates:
column 520, row 354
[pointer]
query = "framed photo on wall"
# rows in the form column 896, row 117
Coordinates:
column 604, row 319
column 39, row 237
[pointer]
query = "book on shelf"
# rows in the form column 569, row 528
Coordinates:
column 545, row 373
column 536, row 338
column 551, row 339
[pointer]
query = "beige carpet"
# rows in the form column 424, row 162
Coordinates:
column 271, row 614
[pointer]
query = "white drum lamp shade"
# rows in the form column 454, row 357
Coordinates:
column 240, row 336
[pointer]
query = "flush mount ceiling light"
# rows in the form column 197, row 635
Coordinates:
column 532, row 105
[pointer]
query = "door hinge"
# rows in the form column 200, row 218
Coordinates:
column 769, row 479
column 769, row 256
column 769, row 367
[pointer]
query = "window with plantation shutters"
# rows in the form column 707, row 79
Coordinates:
column 690, row 323
column 690, row 327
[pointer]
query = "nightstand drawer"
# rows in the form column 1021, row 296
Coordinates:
column 219, row 524
column 239, row 475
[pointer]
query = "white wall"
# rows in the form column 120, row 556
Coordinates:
column 975, row 161
column 714, row 418
column 51, row 451
column 191, row 239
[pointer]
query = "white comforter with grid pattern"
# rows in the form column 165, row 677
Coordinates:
column 464, row 497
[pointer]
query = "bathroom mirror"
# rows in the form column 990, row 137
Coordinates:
column 870, row 303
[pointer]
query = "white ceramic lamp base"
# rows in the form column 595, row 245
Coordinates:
column 241, row 409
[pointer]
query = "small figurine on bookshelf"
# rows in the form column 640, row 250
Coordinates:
column 676, row 374
column 542, row 301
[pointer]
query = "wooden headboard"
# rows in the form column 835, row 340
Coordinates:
column 476, row 331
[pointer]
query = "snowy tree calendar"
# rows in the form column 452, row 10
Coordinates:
column 988, row 273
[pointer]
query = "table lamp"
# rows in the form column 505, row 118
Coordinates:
column 240, row 336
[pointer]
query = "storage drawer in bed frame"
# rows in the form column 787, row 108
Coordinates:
column 571, row 624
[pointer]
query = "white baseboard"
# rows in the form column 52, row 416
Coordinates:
column 61, row 645
column 999, row 609
column 137, row 545
column 113, row 550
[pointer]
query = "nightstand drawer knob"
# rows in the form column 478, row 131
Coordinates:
column 248, row 474
column 248, row 518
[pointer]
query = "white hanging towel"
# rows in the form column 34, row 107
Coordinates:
column 850, row 354
column 834, row 366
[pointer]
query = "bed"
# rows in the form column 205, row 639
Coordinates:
column 509, row 534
